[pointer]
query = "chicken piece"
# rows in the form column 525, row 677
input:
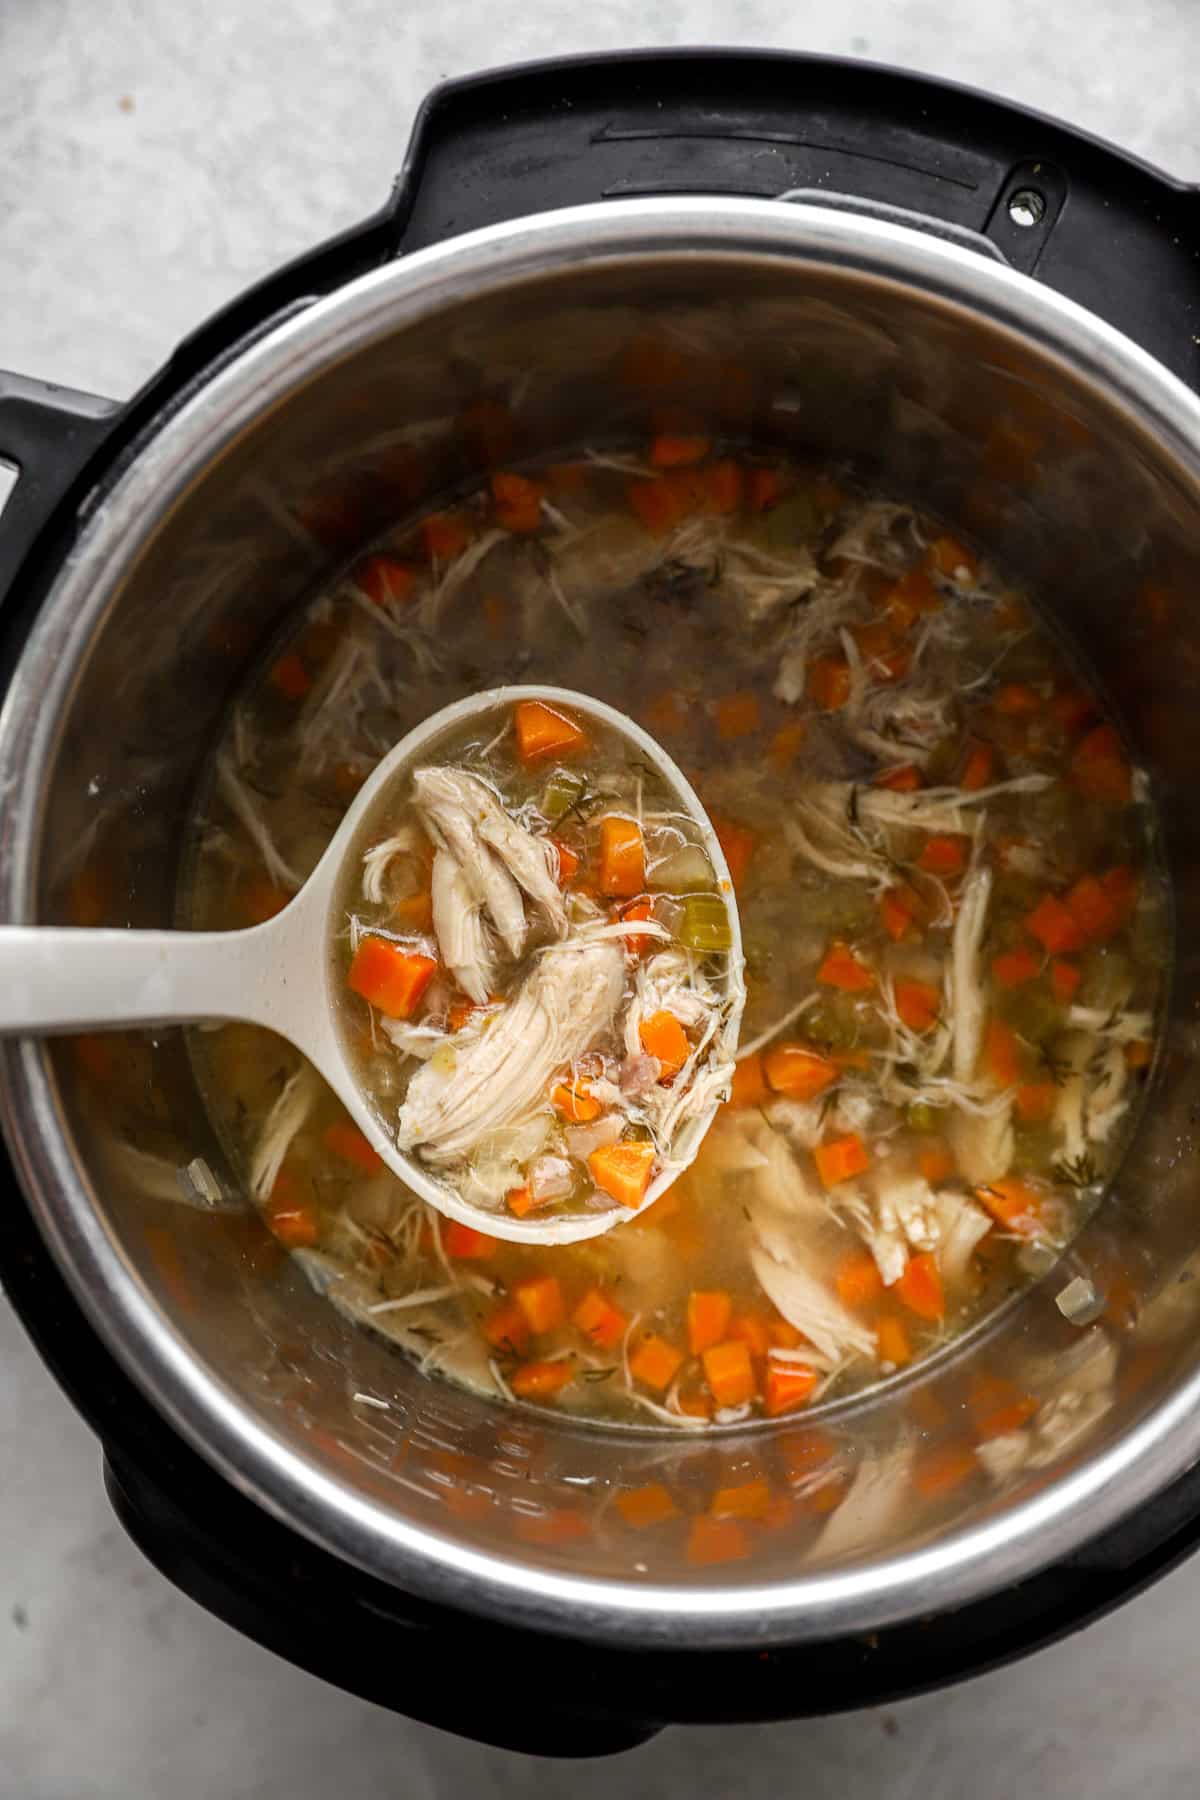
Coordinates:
column 1005, row 1456
column 879, row 1496
column 962, row 1225
column 462, row 931
column 450, row 811
column 779, row 1185
column 802, row 1122
column 1073, row 1053
column 499, row 1160
column 968, row 1004
column 983, row 1144
column 284, row 1120
column 803, row 1298
column 1108, row 1095
column 905, row 1204
column 491, row 1077
column 412, row 1039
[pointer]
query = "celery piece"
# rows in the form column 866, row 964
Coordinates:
column 920, row 1116
column 705, row 926
column 564, row 790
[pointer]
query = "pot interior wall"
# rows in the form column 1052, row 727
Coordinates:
column 926, row 402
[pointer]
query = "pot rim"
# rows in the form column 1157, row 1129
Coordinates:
column 964, row 1565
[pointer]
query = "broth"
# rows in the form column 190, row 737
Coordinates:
column 956, row 934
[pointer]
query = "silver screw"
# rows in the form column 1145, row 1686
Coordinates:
column 1026, row 207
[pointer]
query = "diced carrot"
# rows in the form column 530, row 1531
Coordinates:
column 568, row 862
column 858, row 1281
column 261, row 900
column 840, row 968
column 667, row 714
column 1012, row 1202
column 554, row 1525
column 520, row 1202
column 898, row 908
column 952, row 559
column 729, row 1372
column 390, row 977
column 1036, row 1101
column 1121, row 886
column 1072, row 708
column 661, row 503
column 752, row 1330
column 936, row 1163
column 445, row 536
column 678, row 451
column 912, row 595
column 290, row 1217
column 623, row 1171
column 622, row 857
column 1053, row 926
column 738, row 844
column 663, row 1037
column 708, row 1312
column 904, row 780
column 96, row 1056
column 695, row 1402
column 786, row 745
column 749, row 1082
column 943, row 855
column 644, row 1506
column 828, row 682
column 384, row 580
column 1139, row 1053
column 979, row 769
column 788, row 1385
column 798, row 1071
column 539, row 1380
column 841, row 1159
column 414, row 912
column 742, row 1499
column 918, row 1003
column 722, row 486
column 1093, row 910
column 1064, row 981
column 850, row 1059
column 459, row 1012
column 517, row 502
column 575, row 1102
column 290, row 677
column 599, row 1319
column 637, row 942
column 544, row 731
column 1001, row 1053
column 348, row 778
column 348, row 1142
column 737, row 715
column 892, row 1341
column 783, row 1334
column 1100, row 769
column 940, row 1471
column 540, row 1299
column 465, row 1244
column 763, row 488
column 1013, row 968
column 1017, row 699
column 655, row 1363
column 506, row 1328
column 566, row 479
column 998, row 1406
column 920, row 1287
column 715, row 1541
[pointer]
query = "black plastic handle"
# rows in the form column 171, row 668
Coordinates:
column 1114, row 234
column 51, row 434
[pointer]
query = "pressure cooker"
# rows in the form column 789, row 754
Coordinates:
column 979, row 308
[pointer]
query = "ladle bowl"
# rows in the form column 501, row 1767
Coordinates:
column 282, row 974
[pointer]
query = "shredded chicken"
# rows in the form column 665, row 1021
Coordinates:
column 491, row 1075
column 463, row 935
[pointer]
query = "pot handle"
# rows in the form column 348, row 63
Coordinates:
column 1056, row 204
column 48, row 436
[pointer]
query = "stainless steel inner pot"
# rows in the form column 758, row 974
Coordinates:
column 1068, row 453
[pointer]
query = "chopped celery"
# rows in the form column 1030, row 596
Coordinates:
column 564, row 790
column 705, row 926
column 920, row 1116
column 794, row 521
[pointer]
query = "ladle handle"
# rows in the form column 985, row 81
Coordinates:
column 60, row 980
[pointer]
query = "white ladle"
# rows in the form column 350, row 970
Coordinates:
column 281, row 974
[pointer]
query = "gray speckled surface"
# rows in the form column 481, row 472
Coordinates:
column 154, row 158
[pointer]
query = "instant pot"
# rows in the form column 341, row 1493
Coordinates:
column 979, row 309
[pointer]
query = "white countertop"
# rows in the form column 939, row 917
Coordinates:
column 154, row 159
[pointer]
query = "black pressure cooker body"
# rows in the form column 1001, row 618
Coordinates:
column 1109, row 232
